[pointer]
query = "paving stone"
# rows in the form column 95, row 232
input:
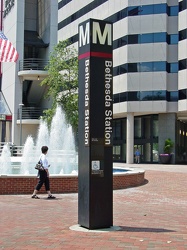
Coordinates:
column 151, row 216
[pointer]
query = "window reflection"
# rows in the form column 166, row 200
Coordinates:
column 123, row 97
column 116, row 98
column 145, row 135
column 147, row 126
column 116, row 152
column 132, row 67
column 159, row 66
column 133, row 11
column 137, row 127
column 133, row 96
column 160, row 8
column 173, row 10
column 174, row 39
column 147, row 9
column 160, row 37
column 155, row 126
column 182, row 64
column 182, row 34
column 156, row 95
column 144, row 67
column 123, row 69
column 182, row 5
column 155, row 152
column 117, row 131
column 145, row 95
column 173, row 67
column 182, row 94
column 146, row 38
column 124, row 129
column 173, row 96
column 159, row 95
column 133, row 39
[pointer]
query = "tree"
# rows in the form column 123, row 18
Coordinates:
column 62, row 82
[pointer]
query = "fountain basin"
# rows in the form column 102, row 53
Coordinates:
column 66, row 183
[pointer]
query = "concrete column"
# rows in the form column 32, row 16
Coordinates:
column 130, row 139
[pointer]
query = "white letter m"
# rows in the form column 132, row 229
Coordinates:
column 84, row 38
column 107, row 33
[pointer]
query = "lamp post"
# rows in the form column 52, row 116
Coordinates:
column 20, row 114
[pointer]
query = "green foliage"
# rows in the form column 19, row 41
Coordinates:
column 168, row 146
column 62, row 82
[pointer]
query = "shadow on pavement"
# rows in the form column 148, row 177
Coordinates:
column 145, row 229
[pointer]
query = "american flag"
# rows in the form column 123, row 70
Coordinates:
column 7, row 51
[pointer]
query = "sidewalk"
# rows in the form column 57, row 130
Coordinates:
column 152, row 216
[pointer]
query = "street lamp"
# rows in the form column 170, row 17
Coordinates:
column 20, row 114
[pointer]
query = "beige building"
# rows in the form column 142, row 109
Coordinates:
column 148, row 81
column 31, row 26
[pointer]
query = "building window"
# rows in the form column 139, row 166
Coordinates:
column 173, row 39
column 182, row 94
column 137, row 127
column 182, row 34
column 182, row 64
column 80, row 13
column 146, row 96
column 159, row 95
column 156, row 95
column 182, row 5
column 173, row 96
column 117, row 152
column 173, row 68
column 145, row 67
column 117, row 129
column 173, row 10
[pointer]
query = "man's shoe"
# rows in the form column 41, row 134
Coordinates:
column 34, row 196
column 51, row 197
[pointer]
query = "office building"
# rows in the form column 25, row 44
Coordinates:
column 31, row 26
column 149, row 68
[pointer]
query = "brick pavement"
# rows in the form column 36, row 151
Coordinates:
column 152, row 216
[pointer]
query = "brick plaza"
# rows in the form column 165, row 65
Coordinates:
column 151, row 216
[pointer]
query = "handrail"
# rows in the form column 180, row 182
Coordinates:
column 18, row 151
column 30, row 113
column 33, row 64
column 14, row 150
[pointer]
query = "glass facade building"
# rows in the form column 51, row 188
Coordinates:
column 149, row 69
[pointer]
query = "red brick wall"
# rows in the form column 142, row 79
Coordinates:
column 26, row 185
column 125, row 181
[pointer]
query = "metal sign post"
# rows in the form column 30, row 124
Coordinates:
column 95, row 194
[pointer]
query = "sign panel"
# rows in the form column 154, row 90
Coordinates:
column 95, row 124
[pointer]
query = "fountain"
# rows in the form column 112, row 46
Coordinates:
column 62, row 156
column 5, row 160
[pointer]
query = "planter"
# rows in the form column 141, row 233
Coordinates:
column 165, row 158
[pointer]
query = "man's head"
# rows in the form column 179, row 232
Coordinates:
column 44, row 149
